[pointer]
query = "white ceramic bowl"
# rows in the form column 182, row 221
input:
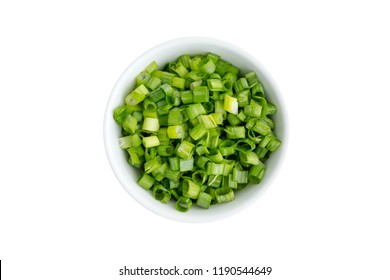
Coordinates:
column 128, row 175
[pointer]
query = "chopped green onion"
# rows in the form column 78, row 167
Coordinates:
column 231, row 104
column 136, row 96
column 162, row 194
column 150, row 141
column 183, row 204
column 198, row 129
column 190, row 189
column 146, row 181
column 204, row 200
column 224, row 195
column 150, row 125
column 185, row 149
column 201, row 94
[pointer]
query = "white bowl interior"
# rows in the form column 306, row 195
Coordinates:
column 128, row 175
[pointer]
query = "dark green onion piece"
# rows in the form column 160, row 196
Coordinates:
column 162, row 194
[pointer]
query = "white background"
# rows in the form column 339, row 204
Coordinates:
column 64, row 215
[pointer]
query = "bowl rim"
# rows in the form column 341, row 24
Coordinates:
column 206, row 40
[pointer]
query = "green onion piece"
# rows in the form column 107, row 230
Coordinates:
column 253, row 110
column 172, row 175
column 235, row 132
column 233, row 120
column 195, row 75
column 215, row 156
column 134, row 158
column 218, row 118
column 214, row 181
column 135, row 140
column 215, row 85
column 157, row 95
column 151, row 67
column 274, row 144
column 222, row 67
column 195, row 110
column 207, row 66
column 199, row 177
column 219, row 108
column 185, row 149
column 181, row 70
column 142, row 78
column 201, row 162
column 201, row 150
column 228, row 166
column 209, row 107
column 176, row 132
column 244, row 145
column 252, row 79
column 224, row 195
column 150, row 141
column 243, row 98
column 195, row 63
column 262, row 128
column 173, row 99
column 249, row 157
column 152, row 164
column 271, row 109
column 207, row 121
column 241, row 85
column 214, row 168
column 227, row 147
column 185, row 60
column 201, row 94
column 163, row 120
column 149, row 105
column 165, row 151
column 125, row 142
column 130, row 124
column 230, row 104
column 183, row 204
column 195, row 84
column 214, row 57
column 146, row 181
column 136, row 96
column 256, row 173
column 175, row 117
column 204, row 200
column 187, row 97
column 162, row 194
column 151, row 125
column 257, row 91
column 153, row 83
column 164, row 76
column 240, row 175
column 197, row 132
column 160, row 173
column 190, row 189
column 174, row 163
column 178, row 82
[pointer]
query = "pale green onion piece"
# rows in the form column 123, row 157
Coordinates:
column 151, row 125
column 214, row 168
column 214, row 181
column 150, row 141
column 195, row 110
column 185, row 149
column 186, row 164
column 231, row 104
column 176, row 132
column 130, row 124
column 197, row 132
column 207, row 121
column 165, row 151
column 174, row 163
